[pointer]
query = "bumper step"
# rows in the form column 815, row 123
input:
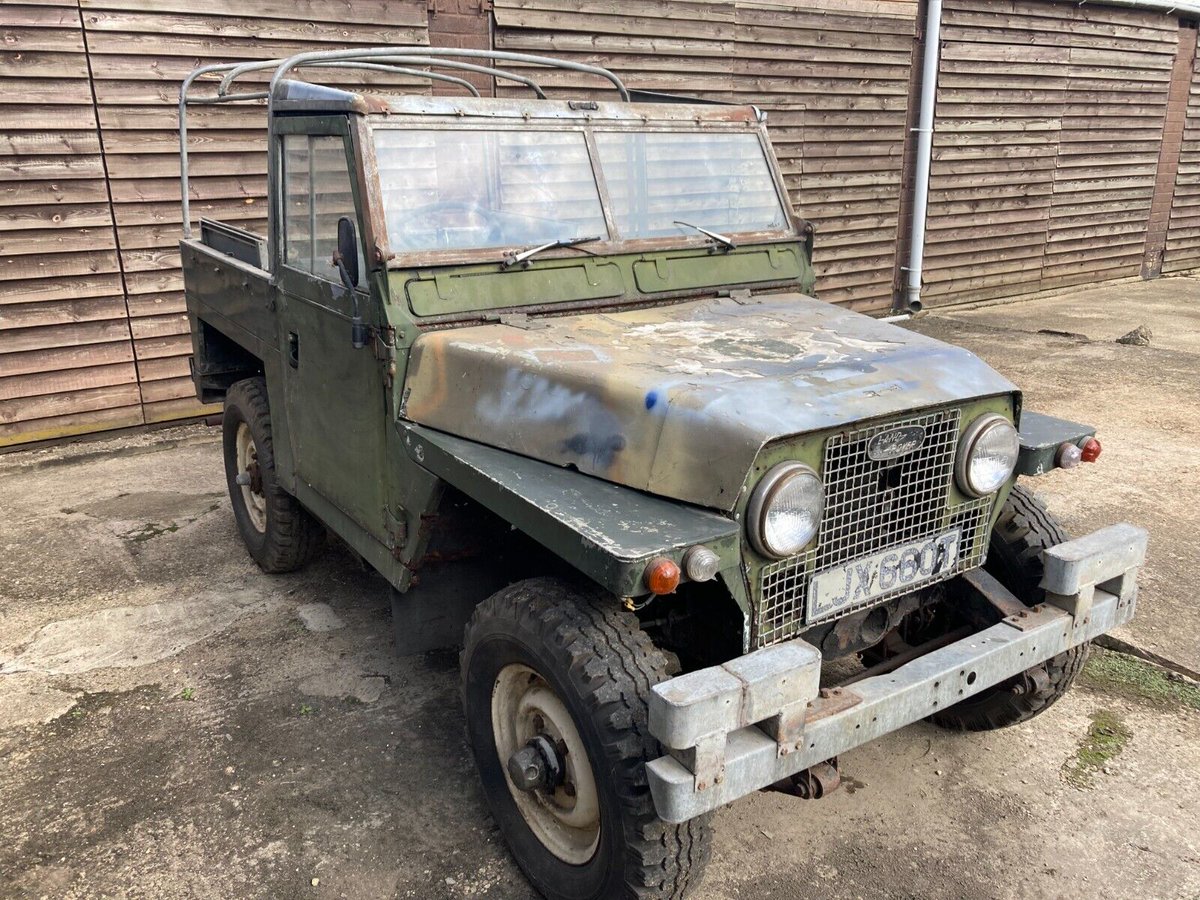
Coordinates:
column 730, row 733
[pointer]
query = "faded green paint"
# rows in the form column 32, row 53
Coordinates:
column 809, row 450
column 677, row 272
column 629, row 277
column 611, row 532
column 1041, row 438
column 494, row 287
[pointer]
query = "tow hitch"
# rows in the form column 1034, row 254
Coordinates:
column 812, row 783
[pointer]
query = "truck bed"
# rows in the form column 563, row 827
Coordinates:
column 230, row 306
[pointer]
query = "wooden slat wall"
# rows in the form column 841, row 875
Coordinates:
column 140, row 51
column 832, row 74
column 66, row 361
column 1183, row 232
column 1048, row 130
column 1118, row 82
column 1046, row 142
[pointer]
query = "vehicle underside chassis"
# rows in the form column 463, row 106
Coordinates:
column 762, row 718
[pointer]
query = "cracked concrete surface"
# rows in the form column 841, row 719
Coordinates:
column 122, row 637
column 174, row 723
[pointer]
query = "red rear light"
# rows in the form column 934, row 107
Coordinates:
column 1091, row 450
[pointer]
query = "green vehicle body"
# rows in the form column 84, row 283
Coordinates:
column 615, row 403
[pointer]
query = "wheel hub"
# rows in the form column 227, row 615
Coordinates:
column 537, row 766
column 546, row 765
column 249, row 478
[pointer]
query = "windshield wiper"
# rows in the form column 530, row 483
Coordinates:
column 719, row 239
column 517, row 259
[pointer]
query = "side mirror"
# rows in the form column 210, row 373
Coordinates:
column 346, row 258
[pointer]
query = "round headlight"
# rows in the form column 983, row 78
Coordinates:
column 987, row 455
column 785, row 510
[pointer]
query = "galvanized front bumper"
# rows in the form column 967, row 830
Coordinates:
column 733, row 729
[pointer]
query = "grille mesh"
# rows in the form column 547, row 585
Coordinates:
column 870, row 506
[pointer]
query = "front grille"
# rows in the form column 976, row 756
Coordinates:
column 870, row 506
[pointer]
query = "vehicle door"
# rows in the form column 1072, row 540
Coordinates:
column 335, row 396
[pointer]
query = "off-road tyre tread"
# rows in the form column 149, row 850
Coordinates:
column 1024, row 529
column 612, row 664
column 293, row 536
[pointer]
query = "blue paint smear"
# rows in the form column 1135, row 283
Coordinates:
column 651, row 399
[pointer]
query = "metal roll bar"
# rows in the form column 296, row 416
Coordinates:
column 375, row 52
column 459, row 65
column 397, row 59
column 183, row 150
column 405, row 58
column 404, row 70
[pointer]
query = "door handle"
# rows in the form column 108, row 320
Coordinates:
column 293, row 350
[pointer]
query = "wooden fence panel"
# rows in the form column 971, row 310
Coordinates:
column 1045, row 145
column 1108, row 154
column 140, row 52
column 1049, row 123
column 66, row 357
column 833, row 78
column 1183, row 231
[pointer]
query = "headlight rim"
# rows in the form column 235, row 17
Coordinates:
column 966, row 447
column 766, row 489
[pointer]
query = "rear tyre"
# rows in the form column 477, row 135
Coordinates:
column 565, row 671
column 280, row 535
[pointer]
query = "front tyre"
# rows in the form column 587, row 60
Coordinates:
column 555, row 681
column 280, row 535
column 1024, row 529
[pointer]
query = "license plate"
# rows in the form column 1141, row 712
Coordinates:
column 859, row 582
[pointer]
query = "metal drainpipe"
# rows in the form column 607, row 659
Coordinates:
column 929, row 73
column 929, row 77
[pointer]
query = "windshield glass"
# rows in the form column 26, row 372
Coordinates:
column 463, row 189
column 720, row 182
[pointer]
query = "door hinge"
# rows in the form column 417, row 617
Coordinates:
column 397, row 530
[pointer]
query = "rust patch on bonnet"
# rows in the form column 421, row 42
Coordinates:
column 678, row 400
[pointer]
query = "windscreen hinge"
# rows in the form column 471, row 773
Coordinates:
column 383, row 342
column 523, row 321
column 741, row 296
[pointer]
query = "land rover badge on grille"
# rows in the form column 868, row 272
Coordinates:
column 896, row 443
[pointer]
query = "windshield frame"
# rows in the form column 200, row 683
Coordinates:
column 608, row 245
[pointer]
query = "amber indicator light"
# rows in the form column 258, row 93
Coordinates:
column 662, row 576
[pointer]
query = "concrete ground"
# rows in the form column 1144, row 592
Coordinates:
column 1145, row 404
column 173, row 723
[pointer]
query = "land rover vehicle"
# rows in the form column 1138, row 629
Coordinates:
column 553, row 368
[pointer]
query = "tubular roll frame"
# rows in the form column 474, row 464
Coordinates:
column 396, row 60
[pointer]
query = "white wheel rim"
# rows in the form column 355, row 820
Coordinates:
column 247, row 465
column 567, row 821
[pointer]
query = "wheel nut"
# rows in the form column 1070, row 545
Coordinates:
column 527, row 769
